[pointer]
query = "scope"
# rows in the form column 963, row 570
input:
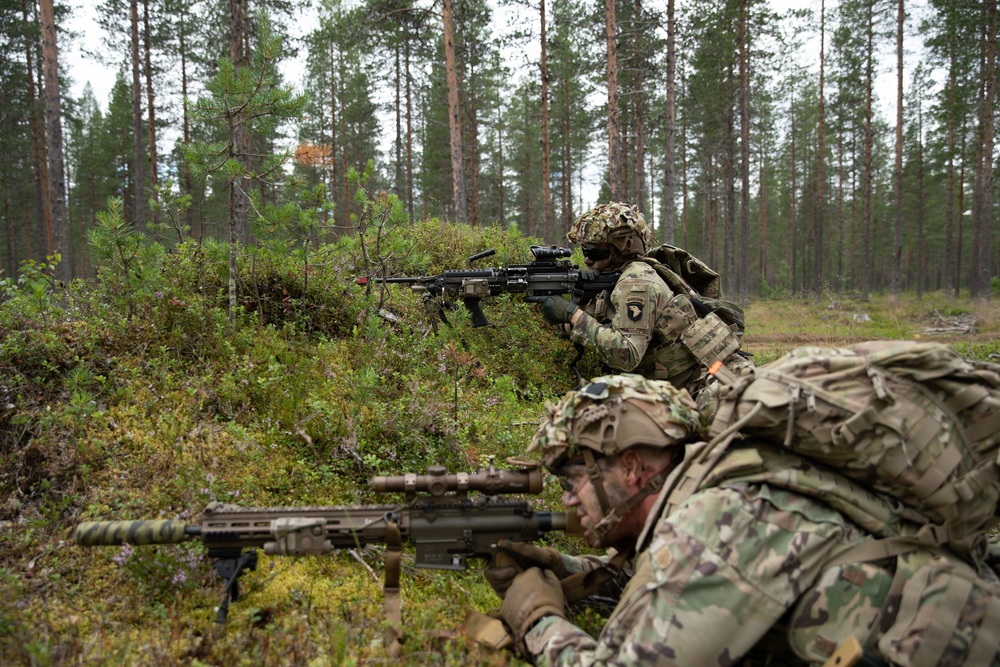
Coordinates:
column 550, row 252
column 490, row 482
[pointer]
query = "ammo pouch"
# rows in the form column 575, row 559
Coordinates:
column 709, row 339
column 947, row 616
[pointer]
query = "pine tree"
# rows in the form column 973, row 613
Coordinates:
column 247, row 101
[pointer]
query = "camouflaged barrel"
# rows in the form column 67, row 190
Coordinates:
column 108, row 533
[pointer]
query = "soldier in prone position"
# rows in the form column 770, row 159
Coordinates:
column 640, row 326
column 716, row 565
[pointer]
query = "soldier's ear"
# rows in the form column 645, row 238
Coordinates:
column 632, row 465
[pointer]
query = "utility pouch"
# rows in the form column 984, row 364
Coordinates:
column 710, row 339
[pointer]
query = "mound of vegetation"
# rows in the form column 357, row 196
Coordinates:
column 144, row 394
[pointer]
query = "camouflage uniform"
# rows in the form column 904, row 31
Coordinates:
column 638, row 327
column 717, row 574
column 760, row 552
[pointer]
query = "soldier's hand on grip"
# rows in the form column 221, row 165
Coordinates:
column 515, row 557
column 557, row 309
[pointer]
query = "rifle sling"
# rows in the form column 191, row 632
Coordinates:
column 390, row 590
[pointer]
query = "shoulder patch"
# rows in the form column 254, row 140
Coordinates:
column 634, row 308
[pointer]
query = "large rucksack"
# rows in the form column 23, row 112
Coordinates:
column 685, row 273
column 920, row 424
column 913, row 420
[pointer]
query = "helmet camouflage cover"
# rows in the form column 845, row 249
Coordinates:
column 614, row 413
column 616, row 223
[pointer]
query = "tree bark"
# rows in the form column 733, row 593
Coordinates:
column 615, row 177
column 986, row 209
column 794, row 222
column 137, row 175
column 39, row 159
column 188, row 186
column 866, row 268
column 820, row 156
column 744, row 259
column 458, row 196
column 897, row 220
column 669, row 212
column 547, row 225
column 949, row 215
column 53, row 134
column 151, row 111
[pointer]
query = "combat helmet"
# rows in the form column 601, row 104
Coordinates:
column 618, row 224
column 608, row 416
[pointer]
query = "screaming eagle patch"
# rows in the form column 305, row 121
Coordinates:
column 634, row 307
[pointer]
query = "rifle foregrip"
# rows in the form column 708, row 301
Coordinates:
column 109, row 533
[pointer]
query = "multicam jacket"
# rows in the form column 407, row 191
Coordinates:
column 639, row 326
column 711, row 579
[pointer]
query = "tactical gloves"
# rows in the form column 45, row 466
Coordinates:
column 557, row 309
column 533, row 594
column 590, row 274
column 520, row 556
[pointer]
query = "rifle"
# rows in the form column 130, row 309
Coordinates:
column 447, row 526
column 548, row 275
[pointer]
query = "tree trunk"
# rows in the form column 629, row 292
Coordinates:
column 794, row 222
column 897, row 220
column 669, row 213
column 744, row 259
column 458, row 196
column 137, row 176
column 338, row 211
column 188, row 185
column 39, row 160
column 238, row 53
column 986, row 209
column 820, row 156
column 614, row 116
column 961, row 216
column 409, row 131
column 151, row 112
column 949, row 215
column 398, row 143
column 921, row 254
column 547, row 225
column 53, row 135
column 470, row 148
column 866, row 269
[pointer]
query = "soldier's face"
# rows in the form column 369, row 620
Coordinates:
column 579, row 493
column 597, row 255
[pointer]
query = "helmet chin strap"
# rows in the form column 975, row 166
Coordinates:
column 612, row 516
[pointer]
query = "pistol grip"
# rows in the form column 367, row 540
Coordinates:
column 506, row 560
column 478, row 316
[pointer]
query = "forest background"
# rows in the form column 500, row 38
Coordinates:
column 180, row 319
column 756, row 139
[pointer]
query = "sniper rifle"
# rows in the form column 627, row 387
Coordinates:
column 445, row 524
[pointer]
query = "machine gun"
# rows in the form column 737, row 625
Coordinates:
column 445, row 524
column 550, row 274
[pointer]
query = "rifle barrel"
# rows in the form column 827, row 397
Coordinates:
column 110, row 533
